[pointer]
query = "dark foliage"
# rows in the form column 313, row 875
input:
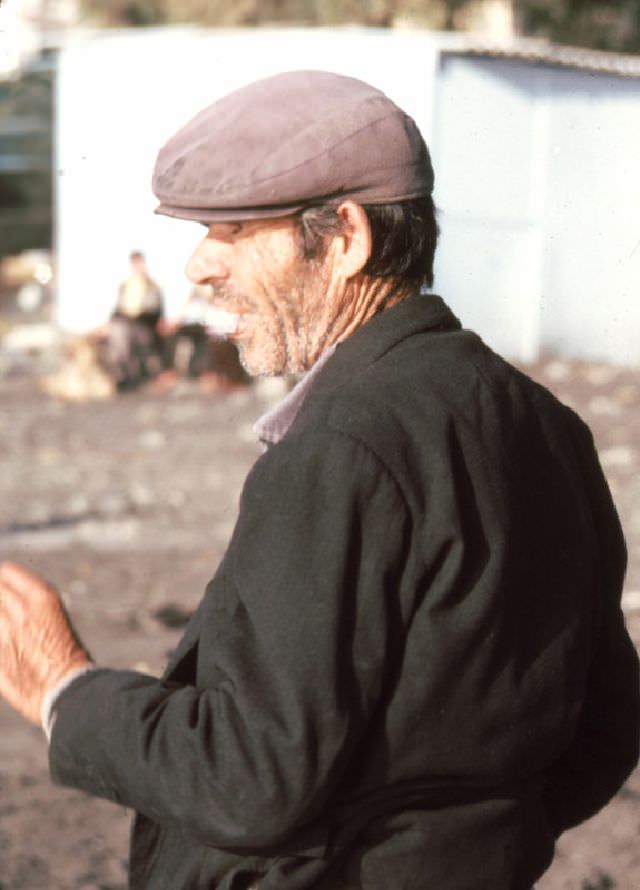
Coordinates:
column 612, row 25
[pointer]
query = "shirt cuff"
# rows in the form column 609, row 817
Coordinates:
column 47, row 709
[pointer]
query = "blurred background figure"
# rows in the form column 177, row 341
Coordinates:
column 187, row 336
column 196, row 347
column 134, row 351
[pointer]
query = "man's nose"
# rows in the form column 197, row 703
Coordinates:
column 207, row 263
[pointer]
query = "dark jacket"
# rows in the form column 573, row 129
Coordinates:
column 410, row 669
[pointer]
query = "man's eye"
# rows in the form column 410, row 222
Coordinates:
column 224, row 231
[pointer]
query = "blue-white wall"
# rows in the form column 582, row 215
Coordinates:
column 539, row 190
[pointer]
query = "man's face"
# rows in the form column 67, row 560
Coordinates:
column 138, row 265
column 257, row 273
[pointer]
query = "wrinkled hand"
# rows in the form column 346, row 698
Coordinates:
column 38, row 645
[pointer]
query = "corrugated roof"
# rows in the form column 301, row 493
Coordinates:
column 543, row 52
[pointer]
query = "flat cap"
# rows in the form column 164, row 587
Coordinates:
column 287, row 142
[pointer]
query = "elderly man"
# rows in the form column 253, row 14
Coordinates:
column 411, row 668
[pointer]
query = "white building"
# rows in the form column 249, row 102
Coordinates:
column 535, row 150
column 539, row 185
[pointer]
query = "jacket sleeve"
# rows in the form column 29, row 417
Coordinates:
column 289, row 672
column 605, row 748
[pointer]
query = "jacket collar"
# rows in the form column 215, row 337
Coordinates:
column 420, row 314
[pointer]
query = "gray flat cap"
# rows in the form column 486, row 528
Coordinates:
column 287, row 142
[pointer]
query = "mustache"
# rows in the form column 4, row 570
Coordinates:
column 221, row 292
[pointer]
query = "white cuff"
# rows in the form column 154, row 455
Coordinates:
column 47, row 709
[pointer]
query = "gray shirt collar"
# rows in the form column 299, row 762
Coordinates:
column 276, row 423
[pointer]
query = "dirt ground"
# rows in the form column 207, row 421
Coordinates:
column 127, row 505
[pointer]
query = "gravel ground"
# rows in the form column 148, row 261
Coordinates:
column 127, row 505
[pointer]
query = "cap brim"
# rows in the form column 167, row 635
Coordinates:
column 236, row 214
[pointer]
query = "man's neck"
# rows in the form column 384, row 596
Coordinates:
column 350, row 305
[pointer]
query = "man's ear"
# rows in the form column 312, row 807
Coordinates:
column 353, row 247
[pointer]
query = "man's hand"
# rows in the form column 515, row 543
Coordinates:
column 38, row 645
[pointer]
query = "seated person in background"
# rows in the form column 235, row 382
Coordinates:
column 187, row 336
column 197, row 346
column 134, row 346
